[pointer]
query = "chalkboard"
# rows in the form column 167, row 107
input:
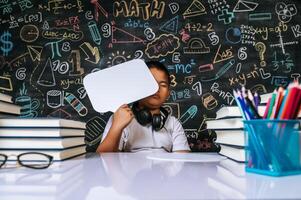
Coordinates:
column 210, row 47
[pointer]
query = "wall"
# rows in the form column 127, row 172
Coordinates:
column 209, row 46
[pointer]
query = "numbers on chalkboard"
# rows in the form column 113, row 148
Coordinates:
column 242, row 55
column 213, row 38
column 198, row 88
column 89, row 15
column 209, row 29
column 21, row 73
column 238, row 68
column 186, row 94
column 138, row 54
column 289, row 63
column 173, row 82
column 188, row 27
column 76, row 68
column 285, row 63
column 61, row 67
column 149, row 34
column 107, row 30
column 198, row 27
column 66, row 46
column 176, row 57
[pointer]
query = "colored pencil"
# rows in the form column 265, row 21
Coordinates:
column 292, row 92
column 272, row 104
column 265, row 115
column 277, row 104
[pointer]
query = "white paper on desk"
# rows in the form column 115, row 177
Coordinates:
column 187, row 157
column 121, row 84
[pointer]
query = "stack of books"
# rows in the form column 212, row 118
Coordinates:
column 59, row 138
column 7, row 108
column 228, row 126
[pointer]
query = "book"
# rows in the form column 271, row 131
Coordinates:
column 231, row 137
column 234, row 111
column 6, row 98
column 6, row 107
column 225, row 123
column 236, row 153
column 56, row 154
column 41, row 122
column 41, row 132
column 40, row 143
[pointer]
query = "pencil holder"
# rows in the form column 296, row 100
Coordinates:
column 272, row 147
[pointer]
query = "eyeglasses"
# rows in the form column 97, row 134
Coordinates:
column 34, row 160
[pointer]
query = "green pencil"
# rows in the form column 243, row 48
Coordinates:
column 271, row 106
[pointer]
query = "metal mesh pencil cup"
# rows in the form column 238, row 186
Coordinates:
column 272, row 147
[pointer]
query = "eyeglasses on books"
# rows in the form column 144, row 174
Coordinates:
column 34, row 160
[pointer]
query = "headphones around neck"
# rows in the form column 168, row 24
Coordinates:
column 144, row 117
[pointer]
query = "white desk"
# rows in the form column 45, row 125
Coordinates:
column 133, row 176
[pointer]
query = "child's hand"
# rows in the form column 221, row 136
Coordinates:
column 122, row 117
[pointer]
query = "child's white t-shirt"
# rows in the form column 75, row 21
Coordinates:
column 136, row 137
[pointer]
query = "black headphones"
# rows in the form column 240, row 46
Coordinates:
column 144, row 117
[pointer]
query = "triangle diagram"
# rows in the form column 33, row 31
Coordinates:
column 245, row 6
column 222, row 55
column 196, row 8
column 47, row 78
column 121, row 36
column 171, row 26
column 35, row 52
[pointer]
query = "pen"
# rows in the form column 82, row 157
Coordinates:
column 239, row 105
column 244, row 106
column 251, row 98
column 250, row 107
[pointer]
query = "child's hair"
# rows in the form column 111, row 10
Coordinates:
column 160, row 66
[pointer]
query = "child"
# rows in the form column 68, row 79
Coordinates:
column 147, row 124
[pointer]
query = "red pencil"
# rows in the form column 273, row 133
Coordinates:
column 296, row 105
column 291, row 96
column 267, row 108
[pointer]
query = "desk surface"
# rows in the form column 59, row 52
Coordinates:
column 133, row 176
